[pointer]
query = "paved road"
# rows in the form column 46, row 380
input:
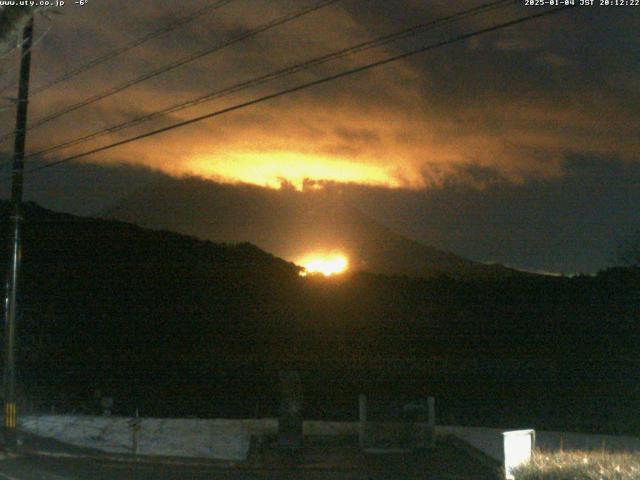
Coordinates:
column 446, row 466
column 38, row 468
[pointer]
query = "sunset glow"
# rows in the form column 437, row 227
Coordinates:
column 271, row 169
column 327, row 265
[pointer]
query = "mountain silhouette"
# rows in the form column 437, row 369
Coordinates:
column 291, row 224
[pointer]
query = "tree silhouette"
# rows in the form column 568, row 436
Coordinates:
column 628, row 252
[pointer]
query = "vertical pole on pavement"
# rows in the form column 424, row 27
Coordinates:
column 11, row 301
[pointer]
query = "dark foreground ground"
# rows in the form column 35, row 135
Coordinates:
column 332, row 462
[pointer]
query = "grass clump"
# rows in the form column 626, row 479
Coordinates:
column 580, row 465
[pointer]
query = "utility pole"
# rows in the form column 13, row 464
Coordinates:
column 11, row 302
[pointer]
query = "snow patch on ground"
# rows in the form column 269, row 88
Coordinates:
column 214, row 439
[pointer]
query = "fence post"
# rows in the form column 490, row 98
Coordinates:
column 290, row 422
column 135, row 441
column 431, row 421
column 134, row 425
column 362, row 420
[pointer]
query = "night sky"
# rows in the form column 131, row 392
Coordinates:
column 521, row 146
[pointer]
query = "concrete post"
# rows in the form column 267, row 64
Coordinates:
column 290, row 422
column 362, row 417
column 134, row 441
column 134, row 425
column 431, row 422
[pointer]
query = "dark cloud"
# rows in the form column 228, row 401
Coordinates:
column 81, row 188
column 357, row 135
column 571, row 223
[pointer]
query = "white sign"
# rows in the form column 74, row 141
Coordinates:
column 518, row 447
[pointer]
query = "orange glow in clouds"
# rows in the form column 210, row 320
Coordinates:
column 271, row 168
column 325, row 264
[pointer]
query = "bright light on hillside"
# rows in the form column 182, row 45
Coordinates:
column 325, row 264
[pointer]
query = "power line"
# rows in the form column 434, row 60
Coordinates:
column 171, row 66
column 304, row 86
column 358, row 48
column 131, row 45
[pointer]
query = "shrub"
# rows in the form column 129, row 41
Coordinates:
column 580, row 465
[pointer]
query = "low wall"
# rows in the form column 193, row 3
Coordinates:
column 229, row 439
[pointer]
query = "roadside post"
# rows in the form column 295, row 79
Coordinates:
column 431, row 422
column 134, row 425
column 362, row 420
column 290, row 422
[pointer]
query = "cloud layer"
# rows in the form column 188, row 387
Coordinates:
column 520, row 146
column 516, row 103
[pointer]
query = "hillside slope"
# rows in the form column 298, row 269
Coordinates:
column 290, row 225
